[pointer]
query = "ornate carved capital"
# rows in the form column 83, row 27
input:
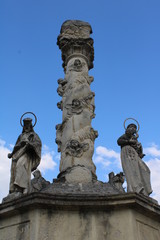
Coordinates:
column 74, row 41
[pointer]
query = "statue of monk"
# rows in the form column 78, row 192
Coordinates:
column 136, row 171
column 26, row 156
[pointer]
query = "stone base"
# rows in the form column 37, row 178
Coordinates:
column 42, row 216
column 77, row 174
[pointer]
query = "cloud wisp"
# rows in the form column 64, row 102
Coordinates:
column 153, row 161
column 107, row 157
column 153, row 150
column 47, row 162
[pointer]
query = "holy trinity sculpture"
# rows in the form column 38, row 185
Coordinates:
column 26, row 156
column 136, row 171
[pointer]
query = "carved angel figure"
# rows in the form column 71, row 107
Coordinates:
column 76, row 149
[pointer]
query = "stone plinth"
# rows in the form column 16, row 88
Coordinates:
column 41, row 216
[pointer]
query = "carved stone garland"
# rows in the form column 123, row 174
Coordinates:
column 75, row 136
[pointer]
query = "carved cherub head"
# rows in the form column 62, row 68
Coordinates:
column 77, row 65
column 74, row 144
column 76, row 103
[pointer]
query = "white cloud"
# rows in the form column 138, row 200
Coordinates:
column 105, row 152
column 106, row 157
column 154, row 166
column 5, row 164
column 2, row 142
column 47, row 162
column 153, row 151
column 153, row 162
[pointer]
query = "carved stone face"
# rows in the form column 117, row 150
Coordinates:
column 77, row 65
column 27, row 127
column 74, row 144
column 76, row 103
column 131, row 130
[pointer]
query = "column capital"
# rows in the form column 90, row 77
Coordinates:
column 74, row 41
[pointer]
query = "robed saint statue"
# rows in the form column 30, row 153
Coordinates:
column 26, row 156
column 135, row 169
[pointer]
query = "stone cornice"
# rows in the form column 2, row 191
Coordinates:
column 135, row 201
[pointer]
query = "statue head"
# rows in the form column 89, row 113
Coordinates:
column 27, row 125
column 77, row 65
column 131, row 129
column 74, row 144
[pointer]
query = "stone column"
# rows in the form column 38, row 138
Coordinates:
column 75, row 136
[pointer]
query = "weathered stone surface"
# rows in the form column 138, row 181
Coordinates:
column 42, row 216
column 97, row 188
column 38, row 183
column 26, row 156
column 74, row 39
column 75, row 137
column 117, row 180
column 136, row 171
column 79, row 174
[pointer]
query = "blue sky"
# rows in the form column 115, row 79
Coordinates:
column 126, row 76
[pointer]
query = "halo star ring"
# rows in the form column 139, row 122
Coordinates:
column 28, row 113
column 134, row 121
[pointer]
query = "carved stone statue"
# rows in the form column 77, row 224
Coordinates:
column 38, row 182
column 117, row 180
column 26, row 156
column 136, row 171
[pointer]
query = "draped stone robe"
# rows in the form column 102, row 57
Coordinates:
column 136, row 171
column 26, row 157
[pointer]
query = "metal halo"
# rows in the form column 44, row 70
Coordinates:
column 28, row 113
column 134, row 120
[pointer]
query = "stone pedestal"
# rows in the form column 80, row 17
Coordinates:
column 41, row 216
column 76, row 206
